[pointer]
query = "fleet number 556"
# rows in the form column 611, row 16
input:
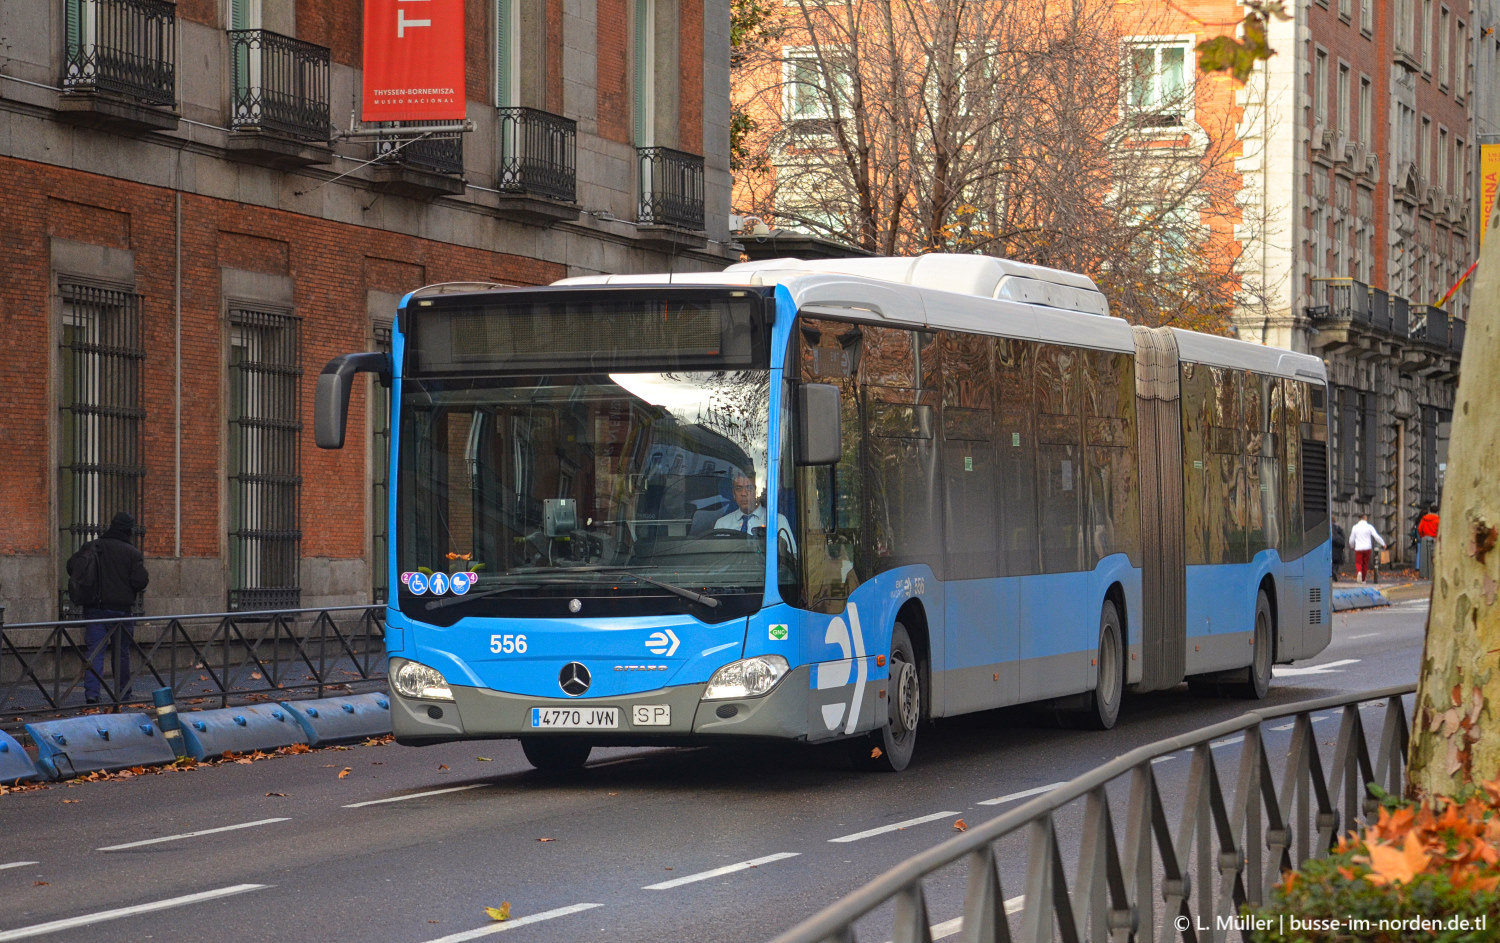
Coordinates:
column 508, row 644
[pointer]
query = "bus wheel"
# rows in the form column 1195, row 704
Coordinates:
column 556, row 754
column 1257, row 677
column 889, row 749
column 1103, row 705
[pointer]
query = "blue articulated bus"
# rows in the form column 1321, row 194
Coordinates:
column 831, row 500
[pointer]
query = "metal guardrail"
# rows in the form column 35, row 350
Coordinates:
column 538, row 153
column 126, row 47
column 1227, row 851
column 280, row 84
column 671, row 188
column 214, row 656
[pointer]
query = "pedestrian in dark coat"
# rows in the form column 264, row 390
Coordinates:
column 1339, row 543
column 122, row 576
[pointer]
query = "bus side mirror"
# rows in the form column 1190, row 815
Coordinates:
column 820, row 441
column 331, row 409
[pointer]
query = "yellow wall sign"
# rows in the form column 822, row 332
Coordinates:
column 1489, row 184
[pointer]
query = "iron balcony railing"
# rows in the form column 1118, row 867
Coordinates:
column 280, row 84
column 1380, row 310
column 125, row 47
column 439, row 152
column 1400, row 316
column 538, row 153
column 1429, row 323
column 222, row 657
column 1162, row 879
column 1348, row 299
column 671, row 188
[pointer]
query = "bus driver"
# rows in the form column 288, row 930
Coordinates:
column 750, row 516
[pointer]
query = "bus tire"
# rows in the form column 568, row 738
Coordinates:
column 1257, row 677
column 889, row 749
column 1102, row 707
column 556, row 754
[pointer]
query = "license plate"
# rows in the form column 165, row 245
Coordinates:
column 652, row 715
column 575, row 717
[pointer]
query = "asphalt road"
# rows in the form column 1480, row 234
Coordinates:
column 694, row 845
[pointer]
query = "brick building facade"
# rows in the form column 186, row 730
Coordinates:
column 188, row 241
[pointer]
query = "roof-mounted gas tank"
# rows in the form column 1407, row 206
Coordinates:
column 984, row 276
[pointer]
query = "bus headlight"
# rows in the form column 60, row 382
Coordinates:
column 750, row 677
column 420, row 682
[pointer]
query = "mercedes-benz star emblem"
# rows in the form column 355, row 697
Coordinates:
column 574, row 605
column 573, row 679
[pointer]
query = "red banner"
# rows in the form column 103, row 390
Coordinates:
column 414, row 60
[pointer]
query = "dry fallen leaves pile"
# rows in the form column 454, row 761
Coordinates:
column 1462, row 843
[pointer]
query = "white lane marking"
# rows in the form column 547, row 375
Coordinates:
column 415, row 795
column 1023, row 794
column 1326, row 668
column 1227, row 741
column 17, row 864
column 201, row 831
column 1362, row 635
column 1163, row 759
column 716, row 872
column 501, row 927
column 894, row 826
column 21, row 933
column 950, row 927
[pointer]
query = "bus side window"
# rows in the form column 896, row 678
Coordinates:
column 829, row 497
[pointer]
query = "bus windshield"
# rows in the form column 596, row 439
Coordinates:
column 584, row 495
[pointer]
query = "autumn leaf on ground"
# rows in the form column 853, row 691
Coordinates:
column 546, row 839
column 1397, row 865
column 961, row 825
column 484, row 759
column 39, row 884
column 345, row 772
column 442, row 766
column 281, row 794
column 499, row 913
column 70, row 801
column 876, row 753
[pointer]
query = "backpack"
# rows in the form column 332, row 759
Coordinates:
column 85, row 577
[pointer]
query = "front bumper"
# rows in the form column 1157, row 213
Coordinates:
column 480, row 713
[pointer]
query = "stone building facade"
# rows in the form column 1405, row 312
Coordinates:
column 190, row 233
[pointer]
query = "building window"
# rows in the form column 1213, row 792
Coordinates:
column 1320, row 88
column 1159, row 93
column 1442, row 159
column 1366, row 105
column 265, row 484
column 1426, row 27
column 1366, row 16
column 804, row 96
column 507, row 55
column 380, row 471
column 1345, row 119
column 645, row 73
column 1444, row 79
column 101, row 468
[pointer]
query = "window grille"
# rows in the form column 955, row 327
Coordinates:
column 380, row 486
column 265, row 484
column 101, row 470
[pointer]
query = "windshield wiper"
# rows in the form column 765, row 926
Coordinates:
column 682, row 591
column 454, row 600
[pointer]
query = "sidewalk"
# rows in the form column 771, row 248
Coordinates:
column 1400, row 586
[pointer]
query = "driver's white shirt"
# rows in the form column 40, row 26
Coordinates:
column 757, row 518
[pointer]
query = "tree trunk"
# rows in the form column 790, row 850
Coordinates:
column 1456, row 725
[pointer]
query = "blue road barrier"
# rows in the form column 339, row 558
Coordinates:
column 1364, row 597
column 332, row 719
column 97, row 742
column 15, row 765
column 239, row 729
column 166, row 718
